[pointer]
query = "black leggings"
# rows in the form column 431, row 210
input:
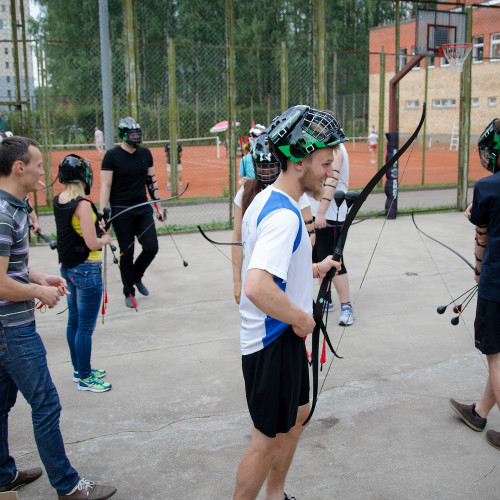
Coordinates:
column 138, row 222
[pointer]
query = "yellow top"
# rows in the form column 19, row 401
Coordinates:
column 94, row 254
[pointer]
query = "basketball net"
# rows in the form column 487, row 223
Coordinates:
column 456, row 54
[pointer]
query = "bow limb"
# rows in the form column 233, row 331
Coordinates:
column 216, row 242
column 150, row 202
column 441, row 243
column 339, row 248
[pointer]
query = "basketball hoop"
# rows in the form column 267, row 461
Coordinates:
column 456, row 54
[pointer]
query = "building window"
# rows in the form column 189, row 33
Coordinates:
column 8, row 79
column 477, row 48
column 492, row 102
column 444, row 103
column 9, row 94
column 495, row 46
column 7, row 64
column 474, row 102
column 432, row 61
column 402, row 58
column 411, row 104
column 3, row 8
column 6, row 50
column 1, row 23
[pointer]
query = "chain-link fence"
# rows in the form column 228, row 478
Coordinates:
column 65, row 99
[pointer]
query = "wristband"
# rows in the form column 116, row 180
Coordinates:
column 306, row 222
column 312, row 231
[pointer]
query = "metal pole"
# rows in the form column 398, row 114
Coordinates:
column 424, row 135
column 107, row 110
column 464, row 132
column 320, row 57
column 15, row 54
column 26, row 74
column 231, row 101
column 381, row 113
column 172, row 102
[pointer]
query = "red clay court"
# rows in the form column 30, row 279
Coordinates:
column 208, row 176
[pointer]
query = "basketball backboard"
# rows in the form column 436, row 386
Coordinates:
column 435, row 28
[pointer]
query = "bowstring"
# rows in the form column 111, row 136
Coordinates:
column 400, row 180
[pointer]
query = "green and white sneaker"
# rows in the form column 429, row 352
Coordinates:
column 93, row 371
column 93, row 384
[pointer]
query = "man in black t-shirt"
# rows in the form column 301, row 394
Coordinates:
column 126, row 171
column 484, row 213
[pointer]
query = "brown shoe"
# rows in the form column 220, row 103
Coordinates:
column 23, row 477
column 87, row 490
column 493, row 438
column 466, row 413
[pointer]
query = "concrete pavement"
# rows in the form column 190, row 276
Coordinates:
column 175, row 424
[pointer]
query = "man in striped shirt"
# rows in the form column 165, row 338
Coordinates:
column 23, row 363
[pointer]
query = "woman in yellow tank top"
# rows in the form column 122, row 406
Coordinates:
column 80, row 238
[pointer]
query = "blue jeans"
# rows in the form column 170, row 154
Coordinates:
column 85, row 288
column 23, row 367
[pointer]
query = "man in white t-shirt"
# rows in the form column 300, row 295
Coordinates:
column 277, row 297
column 99, row 140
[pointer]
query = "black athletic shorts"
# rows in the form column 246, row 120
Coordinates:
column 326, row 239
column 277, row 383
column 487, row 326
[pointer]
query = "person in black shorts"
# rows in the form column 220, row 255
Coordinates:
column 484, row 212
column 276, row 298
column 126, row 171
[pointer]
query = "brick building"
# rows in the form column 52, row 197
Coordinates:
column 443, row 95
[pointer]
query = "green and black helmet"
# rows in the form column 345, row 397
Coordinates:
column 489, row 146
column 74, row 168
column 130, row 132
column 301, row 130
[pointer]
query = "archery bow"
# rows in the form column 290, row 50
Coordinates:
column 337, row 255
column 216, row 242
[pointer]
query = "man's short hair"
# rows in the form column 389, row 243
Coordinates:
column 12, row 149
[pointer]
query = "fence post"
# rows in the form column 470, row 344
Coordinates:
column 231, row 102
column 130, row 32
column 381, row 113
column 107, row 108
column 424, row 135
column 172, row 111
column 334, row 84
column 284, row 77
column 464, row 133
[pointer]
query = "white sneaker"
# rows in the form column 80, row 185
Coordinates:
column 346, row 316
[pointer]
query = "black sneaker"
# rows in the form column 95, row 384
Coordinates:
column 22, row 477
column 466, row 413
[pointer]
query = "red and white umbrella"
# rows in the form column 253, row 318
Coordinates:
column 222, row 126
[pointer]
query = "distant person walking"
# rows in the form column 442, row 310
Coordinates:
column 99, row 140
column 372, row 143
column 126, row 172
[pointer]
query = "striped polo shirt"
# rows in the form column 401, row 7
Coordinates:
column 14, row 243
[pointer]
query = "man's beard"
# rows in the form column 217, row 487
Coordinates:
column 310, row 185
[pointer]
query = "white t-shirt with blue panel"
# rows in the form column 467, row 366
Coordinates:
column 274, row 239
